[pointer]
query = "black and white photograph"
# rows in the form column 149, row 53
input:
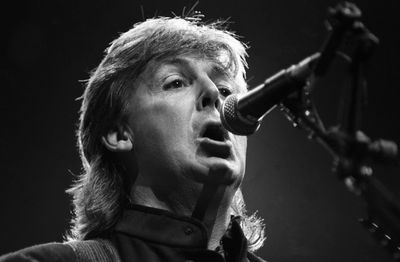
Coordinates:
column 200, row 131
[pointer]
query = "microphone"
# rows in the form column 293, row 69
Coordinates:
column 241, row 114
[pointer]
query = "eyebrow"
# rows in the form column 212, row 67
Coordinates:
column 216, row 67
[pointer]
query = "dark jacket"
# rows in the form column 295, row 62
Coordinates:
column 147, row 234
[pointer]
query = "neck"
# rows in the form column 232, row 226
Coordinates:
column 211, row 206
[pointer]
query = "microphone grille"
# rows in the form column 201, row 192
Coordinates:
column 233, row 121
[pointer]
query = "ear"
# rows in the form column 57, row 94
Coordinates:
column 118, row 140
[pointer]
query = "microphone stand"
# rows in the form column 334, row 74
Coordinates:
column 351, row 149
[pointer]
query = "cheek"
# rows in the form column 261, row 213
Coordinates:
column 161, row 124
column 241, row 145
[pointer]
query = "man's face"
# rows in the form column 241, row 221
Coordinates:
column 177, row 132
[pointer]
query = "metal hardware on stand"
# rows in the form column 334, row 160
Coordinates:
column 352, row 150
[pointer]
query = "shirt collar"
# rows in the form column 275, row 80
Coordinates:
column 163, row 227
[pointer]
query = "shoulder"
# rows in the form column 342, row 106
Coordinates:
column 57, row 252
column 253, row 258
column 98, row 250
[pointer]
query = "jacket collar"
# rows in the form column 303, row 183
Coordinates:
column 163, row 227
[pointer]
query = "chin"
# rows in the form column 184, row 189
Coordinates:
column 219, row 171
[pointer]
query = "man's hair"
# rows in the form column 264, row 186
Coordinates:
column 101, row 191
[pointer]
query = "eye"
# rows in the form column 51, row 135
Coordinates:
column 176, row 83
column 224, row 91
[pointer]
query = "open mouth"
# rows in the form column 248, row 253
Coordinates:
column 214, row 141
column 214, row 131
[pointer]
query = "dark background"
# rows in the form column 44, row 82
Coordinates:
column 49, row 46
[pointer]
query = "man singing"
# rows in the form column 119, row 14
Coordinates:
column 162, row 176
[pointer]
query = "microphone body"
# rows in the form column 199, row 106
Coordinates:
column 241, row 114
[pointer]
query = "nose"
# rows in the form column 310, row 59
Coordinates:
column 209, row 97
